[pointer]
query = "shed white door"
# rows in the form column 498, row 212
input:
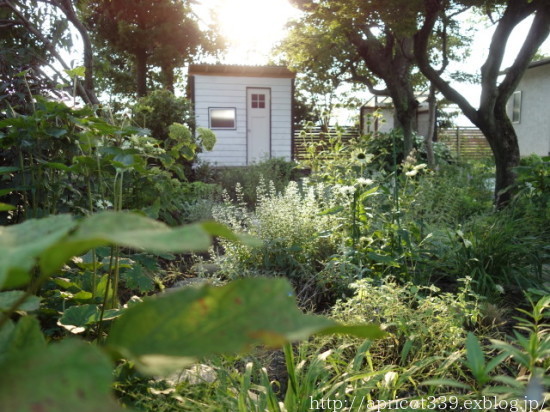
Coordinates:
column 258, row 124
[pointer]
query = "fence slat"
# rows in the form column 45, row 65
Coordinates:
column 319, row 137
column 464, row 142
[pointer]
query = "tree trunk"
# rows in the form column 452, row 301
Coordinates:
column 67, row 7
column 405, row 106
column 168, row 74
column 491, row 117
column 141, row 72
column 429, row 138
column 503, row 140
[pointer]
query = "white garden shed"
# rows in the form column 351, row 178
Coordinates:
column 249, row 108
column 528, row 108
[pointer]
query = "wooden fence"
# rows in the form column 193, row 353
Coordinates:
column 465, row 142
column 320, row 138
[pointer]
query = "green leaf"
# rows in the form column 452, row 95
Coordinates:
column 68, row 376
column 59, row 166
column 4, row 192
column 76, row 318
column 217, row 229
column 360, row 331
column 511, row 382
column 137, row 279
column 79, row 71
column 82, row 296
column 8, row 169
column 446, row 382
column 22, row 244
column 4, row 207
column 7, row 299
column 332, row 211
column 165, row 332
column 475, row 360
column 55, row 132
column 125, row 229
column 25, row 336
column 388, row 260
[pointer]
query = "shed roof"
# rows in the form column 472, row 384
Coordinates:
column 539, row 63
column 240, row 70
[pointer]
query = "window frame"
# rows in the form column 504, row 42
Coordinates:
column 515, row 115
column 213, row 109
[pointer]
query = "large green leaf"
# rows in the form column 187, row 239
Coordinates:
column 7, row 299
column 125, row 229
column 26, row 336
column 69, row 376
column 168, row 331
column 21, row 245
column 76, row 318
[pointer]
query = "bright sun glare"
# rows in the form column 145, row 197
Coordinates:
column 252, row 27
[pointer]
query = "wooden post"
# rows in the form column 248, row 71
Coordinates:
column 458, row 143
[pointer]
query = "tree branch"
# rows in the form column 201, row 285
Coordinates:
column 356, row 77
column 516, row 11
column 66, row 6
column 538, row 33
column 432, row 9
column 47, row 44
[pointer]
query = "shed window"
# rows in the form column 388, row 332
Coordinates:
column 258, row 101
column 222, row 118
column 516, row 107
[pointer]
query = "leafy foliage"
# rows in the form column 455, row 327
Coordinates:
column 69, row 160
column 292, row 230
column 160, row 109
column 163, row 33
column 24, row 344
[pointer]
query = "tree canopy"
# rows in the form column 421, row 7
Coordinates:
column 162, row 33
column 491, row 117
column 371, row 43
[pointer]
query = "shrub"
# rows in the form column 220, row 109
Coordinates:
column 159, row 109
column 501, row 252
column 276, row 170
column 452, row 195
column 421, row 321
column 291, row 228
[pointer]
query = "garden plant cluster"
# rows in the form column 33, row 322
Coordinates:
column 134, row 277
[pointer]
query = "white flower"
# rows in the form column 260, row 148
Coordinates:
column 362, row 182
column 361, row 157
column 347, row 190
column 389, row 379
column 103, row 204
column 411, row 173
column 420, row 166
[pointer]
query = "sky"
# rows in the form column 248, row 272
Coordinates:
column 253, row 27
column 250, row 27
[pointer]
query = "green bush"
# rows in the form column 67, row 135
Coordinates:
column 502, row 252
column 160, row 109
column 291, row 228
column 421, row 321
column 452, row 195
column 276, row 170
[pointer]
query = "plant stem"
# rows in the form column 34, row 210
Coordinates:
column 24, row 177
column 105, row 296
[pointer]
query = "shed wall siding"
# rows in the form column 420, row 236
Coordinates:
column 228, row 91
column 533, row 130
